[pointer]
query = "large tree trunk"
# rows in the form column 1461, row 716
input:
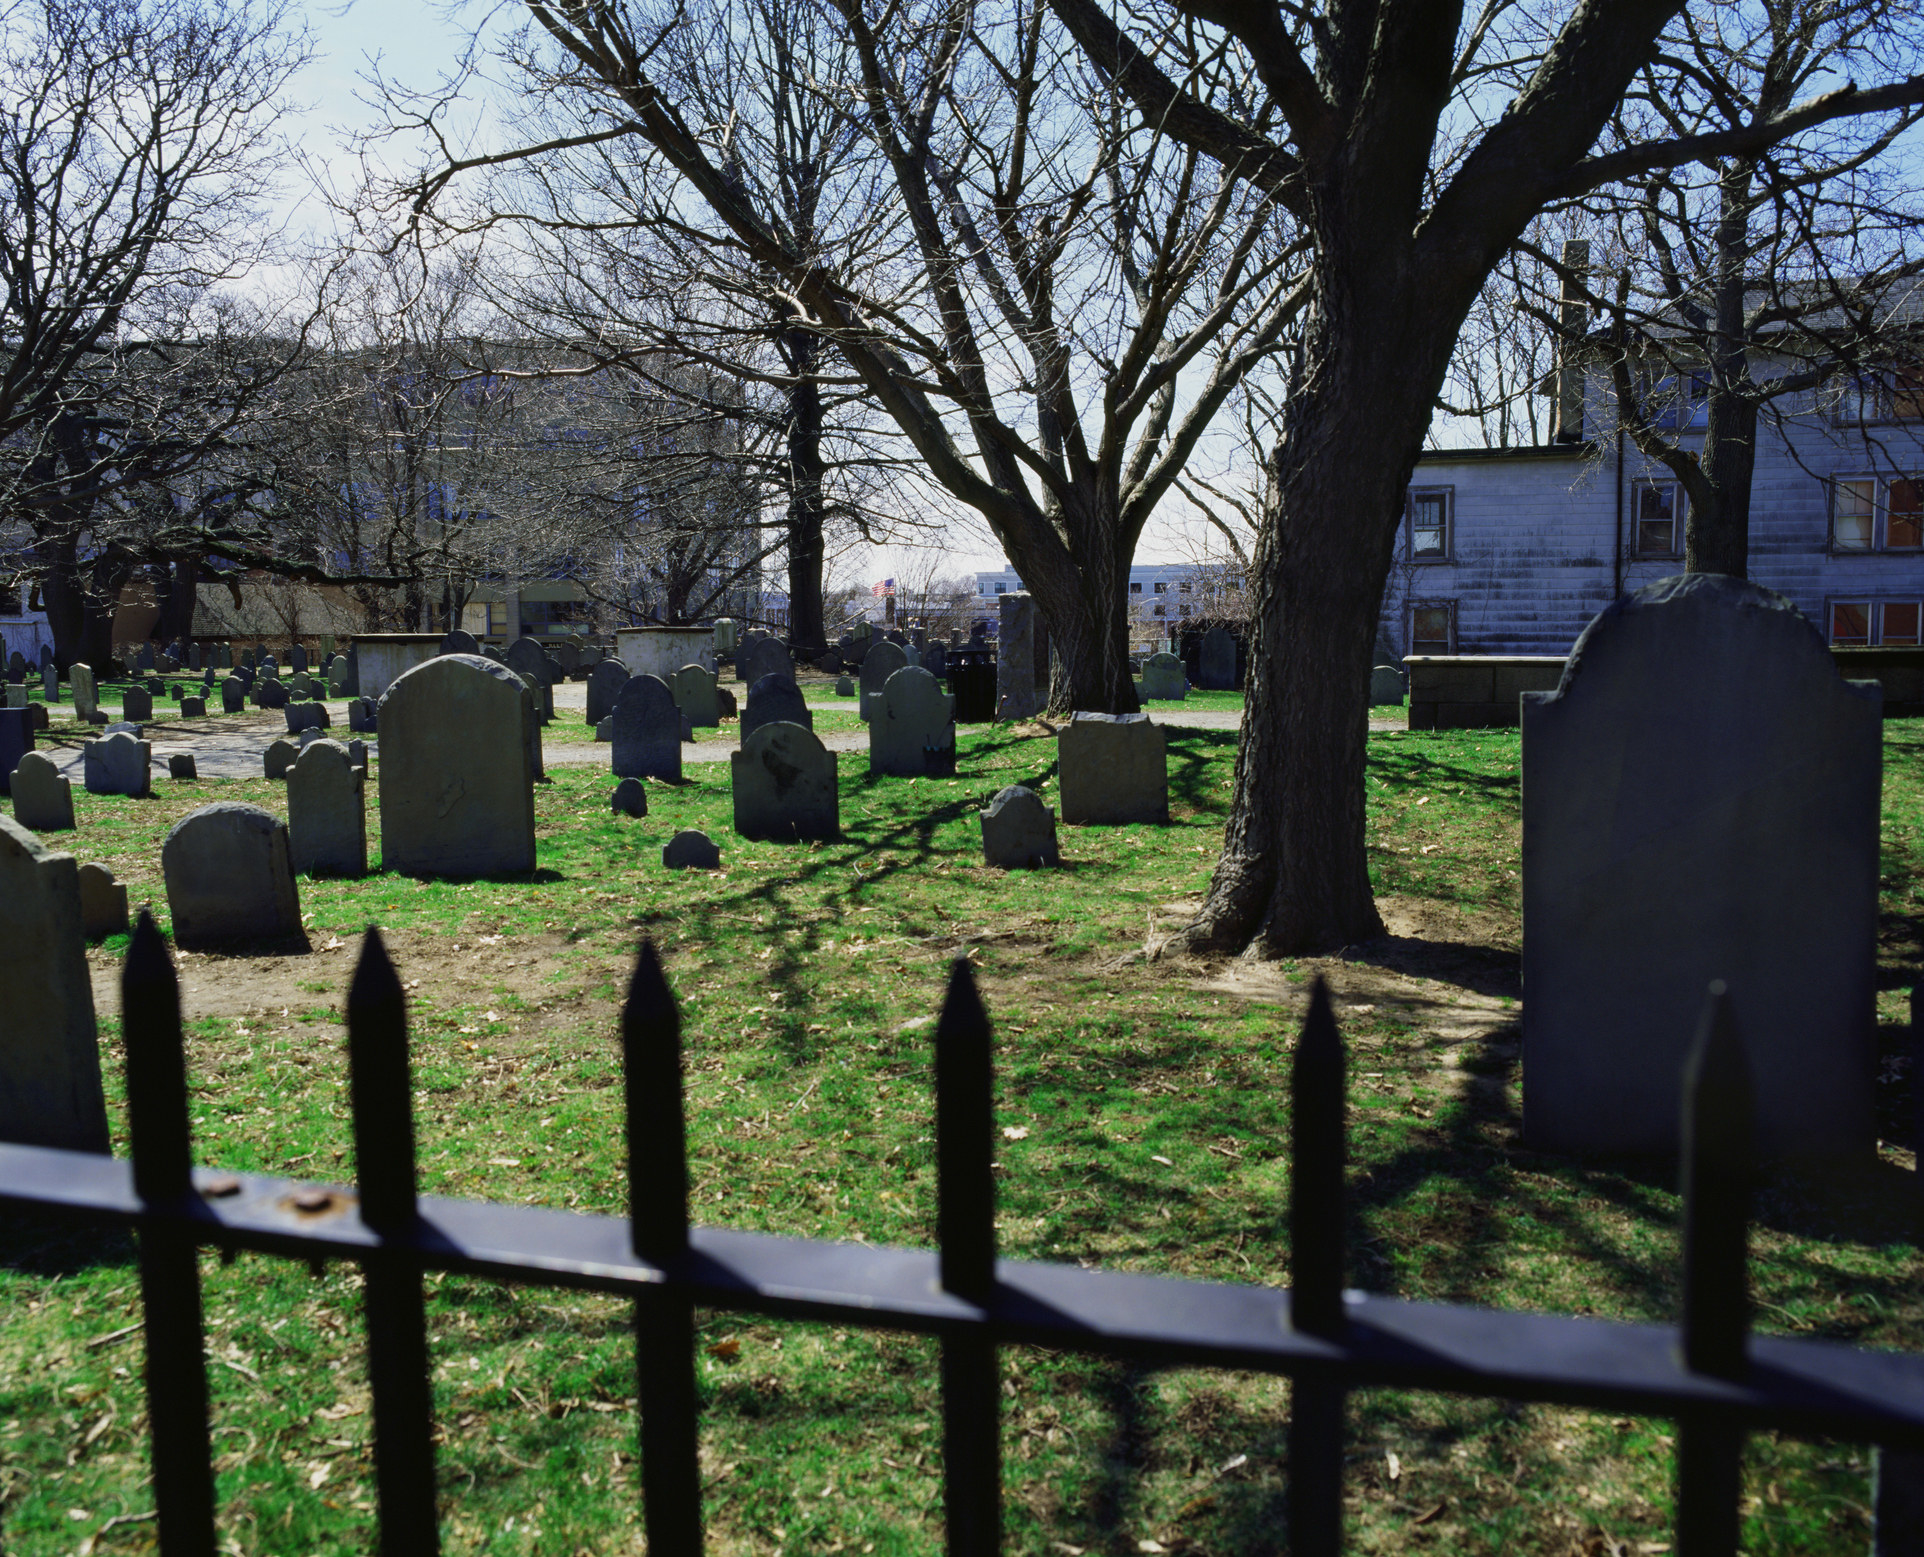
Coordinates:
column 1717, row 532
column 179, row 585
column 807, row 549
column 1082, row 597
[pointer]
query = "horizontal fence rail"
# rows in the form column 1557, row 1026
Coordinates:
column 1718, row 1380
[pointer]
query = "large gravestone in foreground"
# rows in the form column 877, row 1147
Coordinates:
column 1700, row 801
column 457, row 774
column 1114, row 769
column 50, row 1092
column 647, row 731
column 1016, row 695
column 229, row 878
column 783, row 781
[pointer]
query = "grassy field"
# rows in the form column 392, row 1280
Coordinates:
column 1141, row 1106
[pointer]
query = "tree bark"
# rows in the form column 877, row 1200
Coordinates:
column 180, row 585
column 807, row 549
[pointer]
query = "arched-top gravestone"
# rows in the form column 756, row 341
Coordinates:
column 530, row 661
column 1700, row 801
column 229, row 877
column 763, row 656
column 605, row 682
column 1019, row 831
column 458, row 641
column 326, row 812
column 457, row 771
column 1163, row 679
column 50, row 1091
column 774, row 699
column 647, row 730
column 117, row 764
column 784, row 784
column 883, row 660
column 1216, row 661
column 694, row 689
column 42, row 795
column 911, row 732
column 935, row 660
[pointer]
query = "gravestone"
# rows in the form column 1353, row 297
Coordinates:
column 267, row 664
column 297, row 659
column 1016, row 696
column 155, row 686
column 1019, row 831
column 50, row 682
column 647, row 732
column 1113, row 769
column 38, row 716
column 118, row 764
column 340, row 676
column 195, row 659
column 173, row 692
column 181, row 765
column 247, row 659
column 763, row 656
column 86, row 694
column 844, row 687
column 726, row 697
column 694, row 690
column 881, row 662
column 42, row 795
column 772, row 700
column 457, row 769
column 605, row 731
column 103, row 903
column 1700, row 801
column 830, row 664
column 784, row 784
column 326, row 812
column 137, row 705
column 269, row 693
column 50, row 1091
column 233, row 696
column 279, row 757
column 193, row 708
column 16, row 740
column 456, row 641
column 935, row 660
column 691, row 851
column 630, row 798
column 306, row 716
column 361, row 717
column 1386, row 685
column 527, row 660
column 145, row 658
column 912, row 731
column 567, row 654
column 1163, row 680
column 605, row 682
column 1216, row 661
column 229, row 877
column 357, row 754
column 16, row 696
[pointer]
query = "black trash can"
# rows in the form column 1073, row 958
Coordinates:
column 972, row 680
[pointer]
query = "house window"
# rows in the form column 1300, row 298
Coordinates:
column 1135, row 589
column 1161, row 610
column 1183, row 587
column 1433, row 628
column 1182, row 610
column 1893, row 396
column 1426, row 518
column 1161, row 588
column 1001, row 589
column 1886, row 623
column 1869, row 513
column 1656, row 509
column 1676, row 399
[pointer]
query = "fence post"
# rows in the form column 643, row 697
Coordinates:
column 162, row 1151
column 1719, row 1161
column 658, row 1226
column 965, row 1233
column 1318, row 1103
column 381, row 1098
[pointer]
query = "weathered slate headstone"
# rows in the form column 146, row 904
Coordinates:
column 605, row 682
column 357, row 754
column 527, row 659
column 50, row 1091
column 647, row 733
column 86, row 694
column 911, row 733
column 193, row 708
column 1216, row 661
column 844, row 686
column 42, row 795
column 279, row 757
column 1114, row 768
column 361, row 715
column 1386, row 685
column 118, row 764
column 196, row 659
column 605, row 730
column 297, row 659
column 1015, row 689
column 229, row 877
column 103, row 903
column 694, row 690
column 1700, row 801
column 306, row 716
column 181, row 765
column 881, row 662
column 137, row 705
column 233, row 696
column 1019, row 831
column 763, row 656
column 1163, row 680
column 270, row 693
column 145, row 659
column 935, row 660
column 16, row 740
column 772, row 700
column 630, row 798
column 784, row 784
column 691, row 851
column 457, row 769
column 50, row 682
column 326, row 812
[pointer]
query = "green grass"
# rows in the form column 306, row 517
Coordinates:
column 1143, row 1125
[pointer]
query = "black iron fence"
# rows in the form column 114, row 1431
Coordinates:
column 1710, row 1374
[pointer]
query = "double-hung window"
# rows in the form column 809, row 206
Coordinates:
column 1873, row 513
column 1883, row 623
column 1433, row 627
column 1656, row 518
column 1426, row 520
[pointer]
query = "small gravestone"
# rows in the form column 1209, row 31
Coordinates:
column 647, row 731
column 630, row 798
column 16, row 739
column 935, row 660
column 16, row 696
column 229, row 877
column 1019, row 831
column 726, row 698
column 42, row 795
column 269, row 693
column 137, row 705
column 691, row 851
column 50, row 1089
column 50, row 682
column 208, row 677
column 694, row 690
column 193, row 707
column 1216, row 661
column 297, row 659
column 118, row 764
column 37, row 716
column 458, row 744
column 86, row 693
column 605, row 730
column 145, row 659
column 527, row 659
column 306, row 716
column 326, row 812
column 911, row 733
column 361, row 717
column 1386, row 685
column 566, row 654
column 267, row 664
column 1163, row 680
column 1114, row 769
column 784, row 784
column 881, row 662
column 605, row 682
column 1015, row 689
column 279, row 757
column 830, row 664
column 775, row 699
column 195, row 658
column 103, row 903
column 155, row 686
column 173, row 692
column 1700, row 801
column 340, row 677
column 844, row 687
column 233, row 696
column 763, row 656
column 181, row 765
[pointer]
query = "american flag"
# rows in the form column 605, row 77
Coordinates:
column 884, row 587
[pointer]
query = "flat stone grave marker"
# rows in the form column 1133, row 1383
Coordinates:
column 691, row 850
column 763, row 656
column 103, row 903
column 229, row 877
column 1016, row 696
column 784, row 784
column 42, row 795
column 605, row 682
column 1114, row 768
column 50, row 1090
column 775, row 699
column 1163, row 680
column 1216, row 661
column 1700, row 801
column 694, row 690
column 912, row 732
column 630, row 798
column 647, row 731
column 1019, row 831
column 326, row 812
column 457, row 769
column 118, row 764
column 881, row 662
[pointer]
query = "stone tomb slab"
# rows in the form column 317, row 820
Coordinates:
column 1114, row 769
column 647, row 731
column 912, row 731
column 229, row 877
column 784, row 784
column 1700, row 801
